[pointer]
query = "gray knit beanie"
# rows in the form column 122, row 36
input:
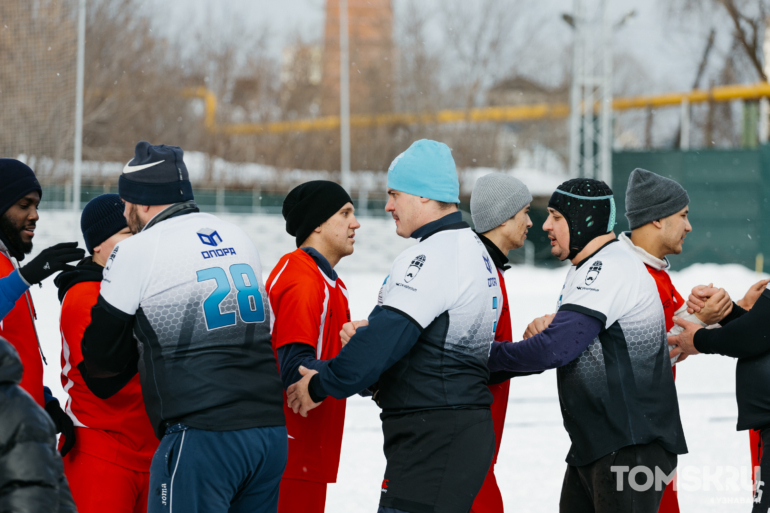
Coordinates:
column 497, row 197
column 650, row 197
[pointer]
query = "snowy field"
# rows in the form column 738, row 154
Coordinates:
column 714, row 476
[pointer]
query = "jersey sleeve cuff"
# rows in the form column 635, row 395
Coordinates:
column 314, row 389
column 585, row 311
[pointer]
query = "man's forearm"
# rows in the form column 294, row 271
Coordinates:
column 561, row 342
column 743, row 337
column 12, row 287
column 370, row 352
column 291, row 357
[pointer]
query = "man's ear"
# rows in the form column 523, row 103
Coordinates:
column 424, row 200
column 657, row 224
column 97, row 249
column 145, row 208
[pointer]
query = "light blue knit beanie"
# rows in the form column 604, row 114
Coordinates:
column 426, row 169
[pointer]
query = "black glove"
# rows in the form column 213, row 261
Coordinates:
column 51, row 260
column 63, row 424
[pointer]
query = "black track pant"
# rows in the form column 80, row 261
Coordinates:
column 761, row 489
column 437, row 460
column 603, row 486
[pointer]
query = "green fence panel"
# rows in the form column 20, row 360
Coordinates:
column 728, row 192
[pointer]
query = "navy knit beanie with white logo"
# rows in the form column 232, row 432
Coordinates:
column 102, row 218
column 155, row 176
column 589, row 208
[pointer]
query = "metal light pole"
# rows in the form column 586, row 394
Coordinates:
column 344, row 98
column 591, row 131
column 575, row 90
column 76, row 168
column 605, row 144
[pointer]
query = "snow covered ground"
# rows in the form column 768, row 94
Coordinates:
column 714, row 476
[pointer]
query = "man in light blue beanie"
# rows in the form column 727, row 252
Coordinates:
column 423, row 351
column 424, row 172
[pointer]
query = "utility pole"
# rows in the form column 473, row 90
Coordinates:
column 591, row 92
column 344, row 98
column 78, row 160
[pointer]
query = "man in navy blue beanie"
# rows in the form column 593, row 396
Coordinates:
column 188, row 287
column 20, row 195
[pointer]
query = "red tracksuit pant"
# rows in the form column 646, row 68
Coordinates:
column 297, row 495
column 489, row 499
column 98, row 485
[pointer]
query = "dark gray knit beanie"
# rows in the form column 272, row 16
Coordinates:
column 650, row 197
column 497, row 197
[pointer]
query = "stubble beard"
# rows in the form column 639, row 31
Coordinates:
column 134, row 223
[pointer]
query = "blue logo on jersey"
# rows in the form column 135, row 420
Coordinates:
column 209, row 237
column 488, row 264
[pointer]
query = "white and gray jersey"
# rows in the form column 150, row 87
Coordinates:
column 194, row 284
column 620, row 390
column 447, row 285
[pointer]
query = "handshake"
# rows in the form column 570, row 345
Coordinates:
column 710, row 305
column 297, row 395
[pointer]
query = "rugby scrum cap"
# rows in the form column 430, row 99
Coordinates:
column 589, row 208
column 650, row 197
column 428, row 170
column 156, row 175
column 310, row 204
column 497, row 197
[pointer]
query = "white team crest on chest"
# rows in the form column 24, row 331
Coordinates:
column 414, row 268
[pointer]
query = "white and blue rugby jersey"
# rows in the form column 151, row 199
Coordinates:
column 447, row 284
column 194, row 283
column 620, row 390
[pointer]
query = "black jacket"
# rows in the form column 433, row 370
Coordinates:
column 31, row 470
column 745, row 335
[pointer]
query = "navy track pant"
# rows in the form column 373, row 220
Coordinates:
column 196, row 471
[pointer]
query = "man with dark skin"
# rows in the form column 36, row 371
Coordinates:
column 20, row 195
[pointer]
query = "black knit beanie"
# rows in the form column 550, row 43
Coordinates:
column 309, row 205
column 589, row 208
column 102, row 218
column 16, row 181
column 156, row 175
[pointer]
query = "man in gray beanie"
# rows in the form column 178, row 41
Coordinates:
column 657, row 209
column 500, row 211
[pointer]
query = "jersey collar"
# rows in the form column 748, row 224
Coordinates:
column 177, row 209
column 500, row 260
column 321, row 262
column 648, row 259
column 579, row 264
column 453, row 221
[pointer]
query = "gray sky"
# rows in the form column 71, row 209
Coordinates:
column 664, row 50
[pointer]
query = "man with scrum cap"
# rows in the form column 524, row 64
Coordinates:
column 608, row 342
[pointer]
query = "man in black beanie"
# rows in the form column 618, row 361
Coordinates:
column 608, row 344
column 310, row 305
column 188, row 287
column 20, row 195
